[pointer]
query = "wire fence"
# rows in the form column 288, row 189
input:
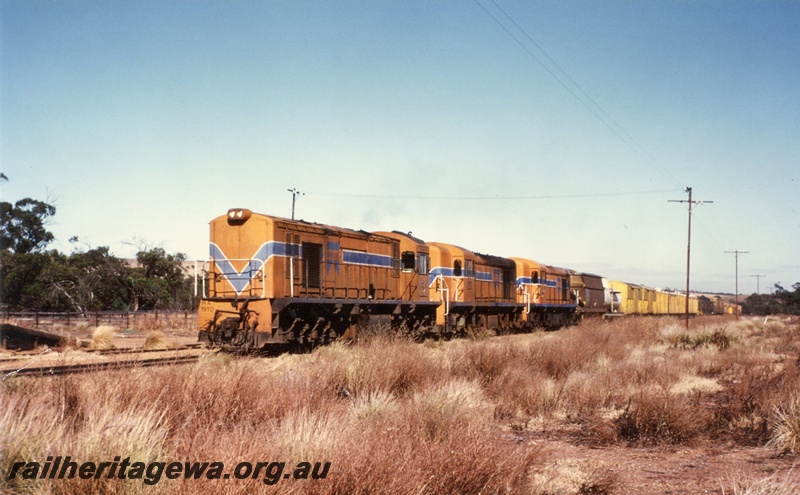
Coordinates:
column 134, row 320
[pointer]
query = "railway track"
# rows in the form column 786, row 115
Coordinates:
column 104, row 352
column 56, row 368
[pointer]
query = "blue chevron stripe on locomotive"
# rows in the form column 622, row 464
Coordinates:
column 240, row 279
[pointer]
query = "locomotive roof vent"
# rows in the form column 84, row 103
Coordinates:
column 238, row 216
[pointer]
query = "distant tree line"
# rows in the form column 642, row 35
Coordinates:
column 781, row 301
column 89, row 279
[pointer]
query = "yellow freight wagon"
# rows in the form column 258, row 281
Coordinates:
column 627, row 305
column 662, row 302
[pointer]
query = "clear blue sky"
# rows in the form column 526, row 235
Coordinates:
column 554, row 130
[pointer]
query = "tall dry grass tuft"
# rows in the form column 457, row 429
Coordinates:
column 439, row 440
column 677, row 337
column 155, row 340
column 525, row 392
column 103, row 338
column 574, row 477
column 779, row 483
column 483, row 360
column 309, row 434
column 27, row 430
column 757, row 383
column 786, row 427
column 440, row 410
column 374, row 407
column 381, row 362
column 655, row 417
column 62, row 419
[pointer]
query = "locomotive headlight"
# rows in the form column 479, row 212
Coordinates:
column 238, row 215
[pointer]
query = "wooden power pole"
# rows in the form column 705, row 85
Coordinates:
column 736, row 254
column 689, row 243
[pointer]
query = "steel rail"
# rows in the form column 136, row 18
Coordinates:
column 104, row 352
column 68, row 369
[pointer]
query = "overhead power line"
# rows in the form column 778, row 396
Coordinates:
column 577, row 92
column 491, row 198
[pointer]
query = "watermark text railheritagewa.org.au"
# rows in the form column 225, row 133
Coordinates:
column 151, row 473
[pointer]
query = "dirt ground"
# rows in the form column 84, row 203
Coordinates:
column 660, row 470
column 703, row 466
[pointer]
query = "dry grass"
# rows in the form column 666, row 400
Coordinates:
column 786, row 483
column 786, row 437
column 155, row 340
column 103, row 338
column 393, row 416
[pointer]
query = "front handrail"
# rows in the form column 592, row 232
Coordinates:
column 442, row 288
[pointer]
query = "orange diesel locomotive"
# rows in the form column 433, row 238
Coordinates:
column 277, row 281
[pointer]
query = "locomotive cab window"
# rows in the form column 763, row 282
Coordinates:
column 408, row 261
column 457, row 268
column 535, row 277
